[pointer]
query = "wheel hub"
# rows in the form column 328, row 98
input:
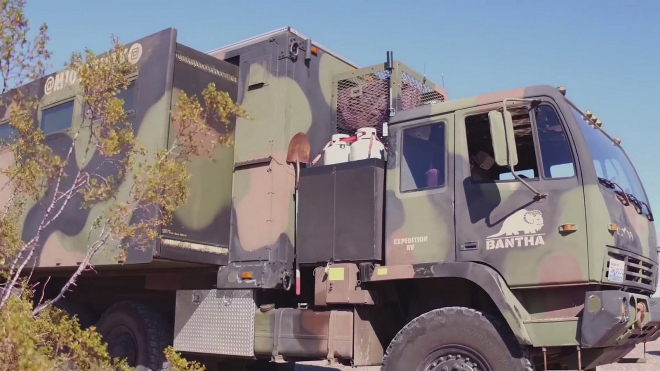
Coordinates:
column 123, row 346
column 454, row 363
column 453, row 358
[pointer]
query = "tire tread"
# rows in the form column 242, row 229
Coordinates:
column 155, row 328
column 486, row 318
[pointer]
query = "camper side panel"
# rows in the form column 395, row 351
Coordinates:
column 65, row 242
column 199, row 231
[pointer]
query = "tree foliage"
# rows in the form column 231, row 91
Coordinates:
column 50, row 340
column 105, row 167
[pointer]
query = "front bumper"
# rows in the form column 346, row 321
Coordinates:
column 614, row 318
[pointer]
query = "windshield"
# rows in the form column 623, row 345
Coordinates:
column 612, row 165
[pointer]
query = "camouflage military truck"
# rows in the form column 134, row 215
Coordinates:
column 362, row 217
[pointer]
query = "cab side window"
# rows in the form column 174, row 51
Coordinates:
column 480, row 148
column 556, row 155
column 423, row 157
column 553, row 145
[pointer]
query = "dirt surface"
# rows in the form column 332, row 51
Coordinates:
column 652, row 359
column 652, row 362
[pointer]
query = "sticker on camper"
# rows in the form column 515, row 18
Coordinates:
column 134, row 53
column 69, row 77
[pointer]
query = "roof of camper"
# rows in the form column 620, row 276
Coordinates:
column 270, row 34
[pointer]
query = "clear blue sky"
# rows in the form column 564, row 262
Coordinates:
column 606, row 53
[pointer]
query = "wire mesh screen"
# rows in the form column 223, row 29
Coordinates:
column 414, row 93
column 363, row 101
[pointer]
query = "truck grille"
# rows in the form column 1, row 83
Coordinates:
column 640, row 272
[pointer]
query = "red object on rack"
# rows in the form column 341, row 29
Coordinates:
column 349, row 139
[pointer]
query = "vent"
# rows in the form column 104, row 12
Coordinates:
column 365, row 97
column 640, row 273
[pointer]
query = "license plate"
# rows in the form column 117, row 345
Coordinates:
column 616, row 271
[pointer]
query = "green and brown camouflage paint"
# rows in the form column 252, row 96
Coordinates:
column 284, row 93
column 165, row 68
column 203, row 223
column 544, row 277
column 560, row 258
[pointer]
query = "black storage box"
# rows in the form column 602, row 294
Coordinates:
column 340, row 212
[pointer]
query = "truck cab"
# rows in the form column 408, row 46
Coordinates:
column 522, row 190
column 525, row 185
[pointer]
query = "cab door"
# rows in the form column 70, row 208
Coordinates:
column 500, row 221
column 419, row 225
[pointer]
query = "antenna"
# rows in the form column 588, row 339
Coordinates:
column 389, row 65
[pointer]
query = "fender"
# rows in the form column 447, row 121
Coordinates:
column 481, row 275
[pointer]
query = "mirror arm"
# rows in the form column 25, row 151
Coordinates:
column 538, row 194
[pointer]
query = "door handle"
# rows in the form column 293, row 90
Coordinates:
column 468, row 246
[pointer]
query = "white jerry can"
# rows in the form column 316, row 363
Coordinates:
column 367, row 145
column 337, row 151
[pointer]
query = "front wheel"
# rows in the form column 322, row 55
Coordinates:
column 455, row 339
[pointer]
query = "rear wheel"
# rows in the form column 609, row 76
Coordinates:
column 455, row 339
column 136, row 333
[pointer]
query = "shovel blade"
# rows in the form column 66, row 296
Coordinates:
column 299, row 149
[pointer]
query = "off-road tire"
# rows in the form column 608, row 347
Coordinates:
column 480, row 333
column 148, row 329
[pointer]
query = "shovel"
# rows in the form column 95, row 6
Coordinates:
column 298, row 152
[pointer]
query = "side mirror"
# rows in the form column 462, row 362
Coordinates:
column 504, row 146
